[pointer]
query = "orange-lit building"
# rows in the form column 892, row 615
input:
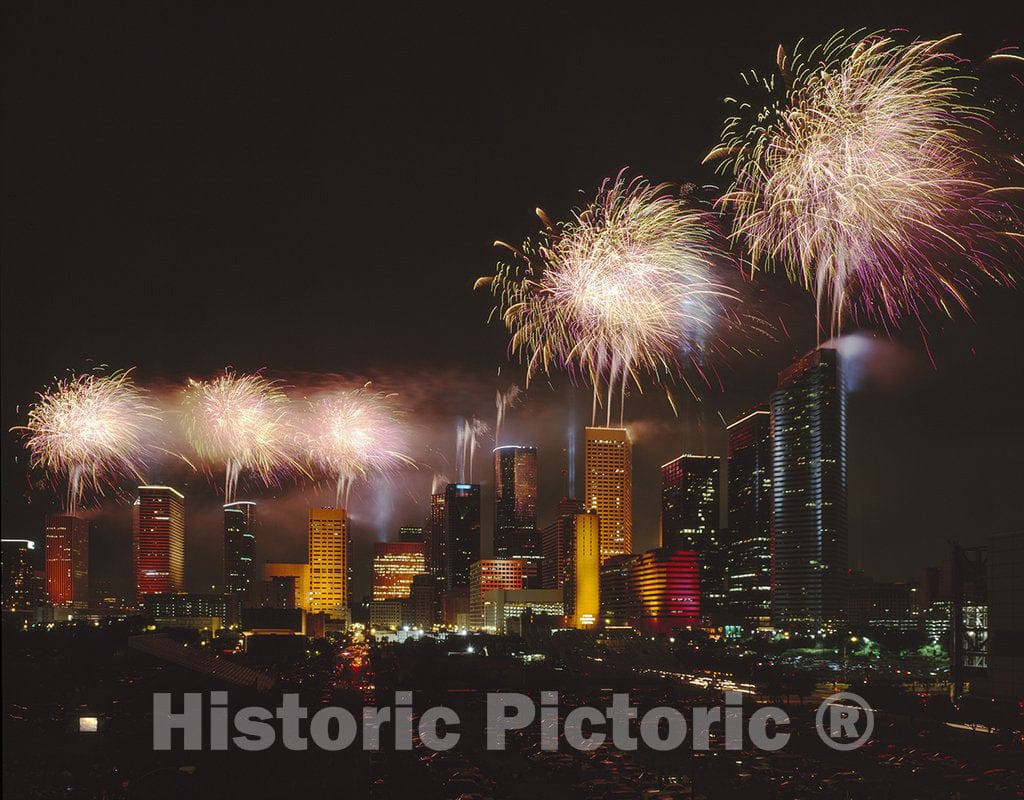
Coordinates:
column 67, row 560
column 395, row 564
column 608, row 464
column 330, row 566
column 158, row 541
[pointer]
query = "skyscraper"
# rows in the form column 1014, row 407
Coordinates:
column 461, row 532
column 809, row 536
column 691, row 519
column 555, row 541
column 749, row 556
column 582, row 590
column 18, row 568
column 515, row 502
column 158, row 541
column 239, row 548
column 395, row 564
column 608, row 461
column 329, row 562
column 67, row 560
column 433, row 538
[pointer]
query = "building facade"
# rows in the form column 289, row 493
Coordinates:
column 515, row 508
column 67, row 561
column 809, row 534
column 461, row 533
column 664, row 589
column 691, row 519
column 158, row 541
column 330, row 573
column 748, row 583
column 395, row 564
column 299, row 575
column 239, row 548
column 488, row 575
column 18, row 574
column 583, row 587
column 608, row 462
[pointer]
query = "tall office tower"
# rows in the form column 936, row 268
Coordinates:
column 18, row 567
column 461, row 533
column 299, row 573
column 411, row 533
column 487, row 575
column 608, row 461
column 433, row 538
column 556, row 538
column 665, row 590
column 330, row 569
column 158, row 541
column 691, row 519
column 583, row 587
column 239, row 548
column 748, row 569
column 395, row 564
column 67, row 560
column 515, row 502
column 809, row 558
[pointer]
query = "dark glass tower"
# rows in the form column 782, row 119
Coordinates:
column 691, row 519
column 239, row 548
column 809, row 536
column 749, row 558
column 461, row 532
column 515, row 501
column 515, row 509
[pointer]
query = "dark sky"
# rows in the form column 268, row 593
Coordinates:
column 314, row 189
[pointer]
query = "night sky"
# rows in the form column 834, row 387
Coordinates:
column 188, row 188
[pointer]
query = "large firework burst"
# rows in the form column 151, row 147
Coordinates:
column 619, row 291
column 241, row 422
column 860, row 177
column 353, row 433
column 90, row 430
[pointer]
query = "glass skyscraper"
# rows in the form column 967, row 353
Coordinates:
column 461, row 532
column 749, row 555
column 239, row 548
column 515, row 508
column 809, row 535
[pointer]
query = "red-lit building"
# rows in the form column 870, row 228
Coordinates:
column 158, row 541
column 664, row 590
column 67, row 560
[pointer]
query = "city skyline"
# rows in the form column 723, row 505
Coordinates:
column 961, row 406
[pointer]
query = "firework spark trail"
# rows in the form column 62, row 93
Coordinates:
column 859, row 176
column 504, row 401
column 353, row 433
column 467, row 434
column 617, row 292
column 92, row 430
column 242, row 422
column 438, row 482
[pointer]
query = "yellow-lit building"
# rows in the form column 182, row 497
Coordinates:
column 586, row 565
column 300, row 572
column 609, row 487
column 329, row 562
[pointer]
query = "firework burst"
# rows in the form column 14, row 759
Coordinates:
column 90, row 430
column 619, row 291
column 239, row 421
column 350, row 434
column 859, row 176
